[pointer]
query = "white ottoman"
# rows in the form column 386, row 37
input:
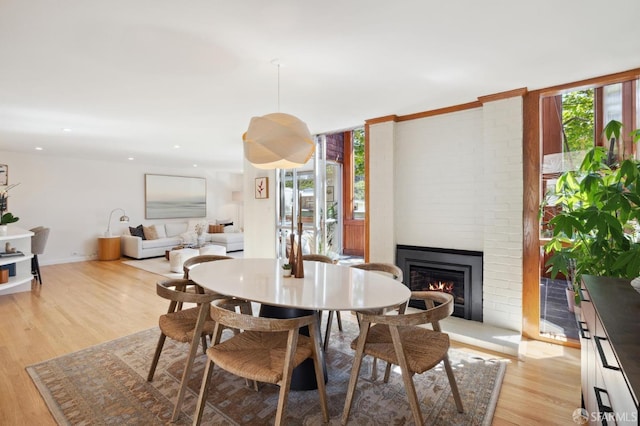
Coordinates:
column 178, row 257
column 213, row 249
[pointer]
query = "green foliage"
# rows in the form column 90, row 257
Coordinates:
column 8, row 218
column 578, row 119
column 596, row 231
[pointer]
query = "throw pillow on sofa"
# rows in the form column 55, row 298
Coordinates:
column 216, row 229
column 138, row 231
column 150, row 232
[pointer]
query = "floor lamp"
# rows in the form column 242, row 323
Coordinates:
column 123, row 219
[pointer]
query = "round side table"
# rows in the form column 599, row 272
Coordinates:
column 109, row 248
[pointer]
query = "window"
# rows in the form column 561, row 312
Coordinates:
column 358, row 174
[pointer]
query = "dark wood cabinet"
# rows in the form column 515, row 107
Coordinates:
column 610, row 341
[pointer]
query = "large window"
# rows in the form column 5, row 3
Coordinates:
column 358, row 174
column 572, row 124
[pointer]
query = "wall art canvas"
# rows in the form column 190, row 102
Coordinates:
column 169, row 197
column 4, row 174
column 262, row 187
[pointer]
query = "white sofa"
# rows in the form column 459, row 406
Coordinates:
column 172, row 234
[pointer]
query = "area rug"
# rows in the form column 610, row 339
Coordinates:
column 160, row 265
column 106, row 384
column 156, row 265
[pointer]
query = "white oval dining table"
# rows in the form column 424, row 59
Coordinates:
column 324, row 287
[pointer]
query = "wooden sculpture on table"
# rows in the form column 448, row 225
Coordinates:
column 298, row 266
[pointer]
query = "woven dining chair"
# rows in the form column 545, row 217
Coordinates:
column 267, row 350
column 399, row 340
column 325, row 259
column 385, row 268
column 183, row 325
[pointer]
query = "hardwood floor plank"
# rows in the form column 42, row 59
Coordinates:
column 86, row 303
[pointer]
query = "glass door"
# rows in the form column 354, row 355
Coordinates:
column 310, row 194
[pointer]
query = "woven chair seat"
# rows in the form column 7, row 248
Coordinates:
column 180, row 325
column 423, row 348
column 258, row 356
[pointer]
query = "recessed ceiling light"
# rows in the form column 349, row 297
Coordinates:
column 66, row 129
column 39, row 148
column 130, row 158
column 195, row 165
column 176, row 146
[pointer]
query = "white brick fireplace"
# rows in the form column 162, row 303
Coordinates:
column 455, row 181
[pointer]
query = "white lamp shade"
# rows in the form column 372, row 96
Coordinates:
column 277, row 141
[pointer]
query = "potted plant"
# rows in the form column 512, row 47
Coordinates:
column 596, row 229
column 286, row 269
column 6, row 218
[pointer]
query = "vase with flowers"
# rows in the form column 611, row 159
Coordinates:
column 5, row 216
column 200, row 228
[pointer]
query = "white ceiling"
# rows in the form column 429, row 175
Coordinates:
column 133, row 78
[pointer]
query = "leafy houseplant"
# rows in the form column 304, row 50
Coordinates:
column 6, row 218
column 286, row 269
column 597, row 228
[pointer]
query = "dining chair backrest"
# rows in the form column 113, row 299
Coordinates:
column 318, row 258
column 388, row 268
column 196, row 260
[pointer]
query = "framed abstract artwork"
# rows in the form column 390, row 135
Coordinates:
column 262, row 188
column 169, row 197
column 4, row 174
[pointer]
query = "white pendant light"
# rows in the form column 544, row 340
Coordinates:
column 277, row 140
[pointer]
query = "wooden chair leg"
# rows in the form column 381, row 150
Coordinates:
column 453, row 384
column 156, row 356
column 317, row 363
column 355, row 371
column 193, row 349
column 327, row 332
column 204, row 343
column 407, row 376
column 387, row 372
column 285, row 383
column 204, row 391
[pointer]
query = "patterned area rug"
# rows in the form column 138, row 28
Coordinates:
column 106, row 384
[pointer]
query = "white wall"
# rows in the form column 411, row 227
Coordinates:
column 260, row 215
column 457, row 183
column 382, row 189
column 503, row 182
column 439, row 192
column 74, row 198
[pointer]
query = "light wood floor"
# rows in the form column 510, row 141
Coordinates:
column 86, row 303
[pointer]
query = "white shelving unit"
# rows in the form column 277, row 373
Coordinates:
column 20, row 239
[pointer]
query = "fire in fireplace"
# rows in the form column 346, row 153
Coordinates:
column 457, row 272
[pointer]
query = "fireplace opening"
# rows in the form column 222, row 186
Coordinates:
column 457, row 272
column 423, row 278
